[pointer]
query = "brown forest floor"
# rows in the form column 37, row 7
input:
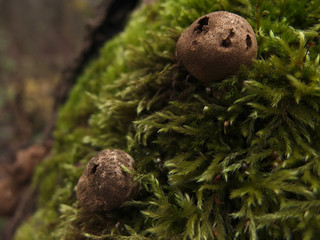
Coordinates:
column 30, row 140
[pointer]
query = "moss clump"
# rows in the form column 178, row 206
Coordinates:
column 234, row 159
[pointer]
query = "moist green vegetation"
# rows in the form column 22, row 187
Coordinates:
column 237, row 159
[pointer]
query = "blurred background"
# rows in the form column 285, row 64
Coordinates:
column 44, row 46
column 38, row 39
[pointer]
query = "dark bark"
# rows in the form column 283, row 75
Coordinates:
column 110, row 20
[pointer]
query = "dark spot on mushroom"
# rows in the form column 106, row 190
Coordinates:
column 248, row 42
column 94, row 169
column 227, row 42
column 201, row 24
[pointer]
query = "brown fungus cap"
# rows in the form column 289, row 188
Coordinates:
column 104, row 185
column 216, row 45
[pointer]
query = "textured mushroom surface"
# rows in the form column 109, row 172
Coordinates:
column 104, row 185
column 216, row 45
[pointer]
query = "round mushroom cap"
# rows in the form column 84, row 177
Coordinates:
column 104, row 185
column 216, row 45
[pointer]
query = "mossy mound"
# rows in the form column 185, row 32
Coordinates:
column 237, row 159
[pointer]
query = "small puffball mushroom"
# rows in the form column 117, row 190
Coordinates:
column 104, row 185
column 216, row 45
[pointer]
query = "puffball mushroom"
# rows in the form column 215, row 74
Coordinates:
column 216, row 45
column 104, row 185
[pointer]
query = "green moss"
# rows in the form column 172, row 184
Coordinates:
column 236, row 159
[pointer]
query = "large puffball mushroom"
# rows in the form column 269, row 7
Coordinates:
column 216, row 45
column 104, row 185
